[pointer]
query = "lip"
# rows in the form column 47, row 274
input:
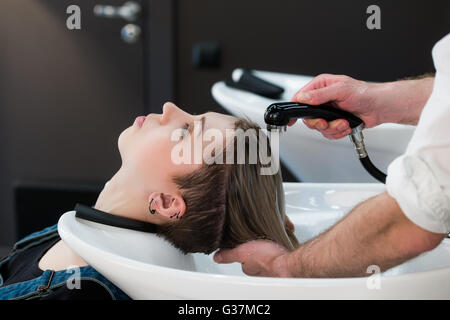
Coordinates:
column 140, row 121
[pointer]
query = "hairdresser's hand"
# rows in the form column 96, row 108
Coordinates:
column 375, row 103
column 341, row 92
column 261, row 258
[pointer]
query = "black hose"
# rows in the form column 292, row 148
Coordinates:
column 368, row 165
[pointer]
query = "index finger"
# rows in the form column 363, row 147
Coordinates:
column 321, row 81
column 313, row 84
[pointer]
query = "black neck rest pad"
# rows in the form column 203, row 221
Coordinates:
column 94, row 215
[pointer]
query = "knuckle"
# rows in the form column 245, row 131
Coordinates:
column 341, row 85
column 324, row 75
column 240, row 253
column 330, row 132
column 334, row 124
column 344, row 77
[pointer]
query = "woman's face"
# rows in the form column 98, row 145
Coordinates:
column 146, row 147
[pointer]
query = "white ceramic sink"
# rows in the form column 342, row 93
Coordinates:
column 147, row 267
column 310, row 156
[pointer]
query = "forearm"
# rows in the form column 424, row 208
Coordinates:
column 375, row 233
column 402, row 101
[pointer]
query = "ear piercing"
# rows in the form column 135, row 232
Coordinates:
column 152, row 211
column 177, row 215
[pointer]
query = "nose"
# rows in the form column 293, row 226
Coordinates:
column 169, row 107
column 171, row 111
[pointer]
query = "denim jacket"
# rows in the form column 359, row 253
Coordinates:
column 45, row 284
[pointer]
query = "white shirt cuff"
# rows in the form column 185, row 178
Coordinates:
column 413, row 185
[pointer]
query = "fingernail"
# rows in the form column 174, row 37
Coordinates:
column 218, row 257
column 303, row 96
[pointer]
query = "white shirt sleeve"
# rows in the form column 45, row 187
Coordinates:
column 420, row 179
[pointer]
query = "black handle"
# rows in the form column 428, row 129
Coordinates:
column 249, row 82
column 280, row 113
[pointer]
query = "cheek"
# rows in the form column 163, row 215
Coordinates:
column 151, row 156
column 156, row 163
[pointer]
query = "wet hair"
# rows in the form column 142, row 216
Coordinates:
column 230, row 204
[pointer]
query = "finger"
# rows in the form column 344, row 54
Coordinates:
column 338, row 135
column 336, row 126
column 289, row 224
column 320, row 81
column 303, row 97
column 315, row 83
column 308, row 123
column 292, row 122
column 226, row 256
column 343, row 134
column 251, row 270
column 317, row 124
column 322, row 95
column 295, row 96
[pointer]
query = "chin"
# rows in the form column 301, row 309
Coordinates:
column 123, row 141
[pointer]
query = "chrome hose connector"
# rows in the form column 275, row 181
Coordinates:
column 357, row 138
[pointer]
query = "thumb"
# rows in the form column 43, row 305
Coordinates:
column 322, row 95
column 226, row 256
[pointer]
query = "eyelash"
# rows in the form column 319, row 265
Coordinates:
column 185, row 129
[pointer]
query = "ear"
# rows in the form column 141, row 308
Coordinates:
column 170, row 206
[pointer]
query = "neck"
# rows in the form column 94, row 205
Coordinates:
column 121, row 197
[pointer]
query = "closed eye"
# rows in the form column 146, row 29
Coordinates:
column 185, row 129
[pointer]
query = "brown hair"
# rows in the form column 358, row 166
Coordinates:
column 229, row 204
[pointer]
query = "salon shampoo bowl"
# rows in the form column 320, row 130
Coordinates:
column 147, row 267
column 305, row 152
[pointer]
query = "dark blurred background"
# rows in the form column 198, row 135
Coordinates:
column 65, row 95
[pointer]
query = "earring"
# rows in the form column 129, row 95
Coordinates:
column 176, row 214
column 152, row 211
